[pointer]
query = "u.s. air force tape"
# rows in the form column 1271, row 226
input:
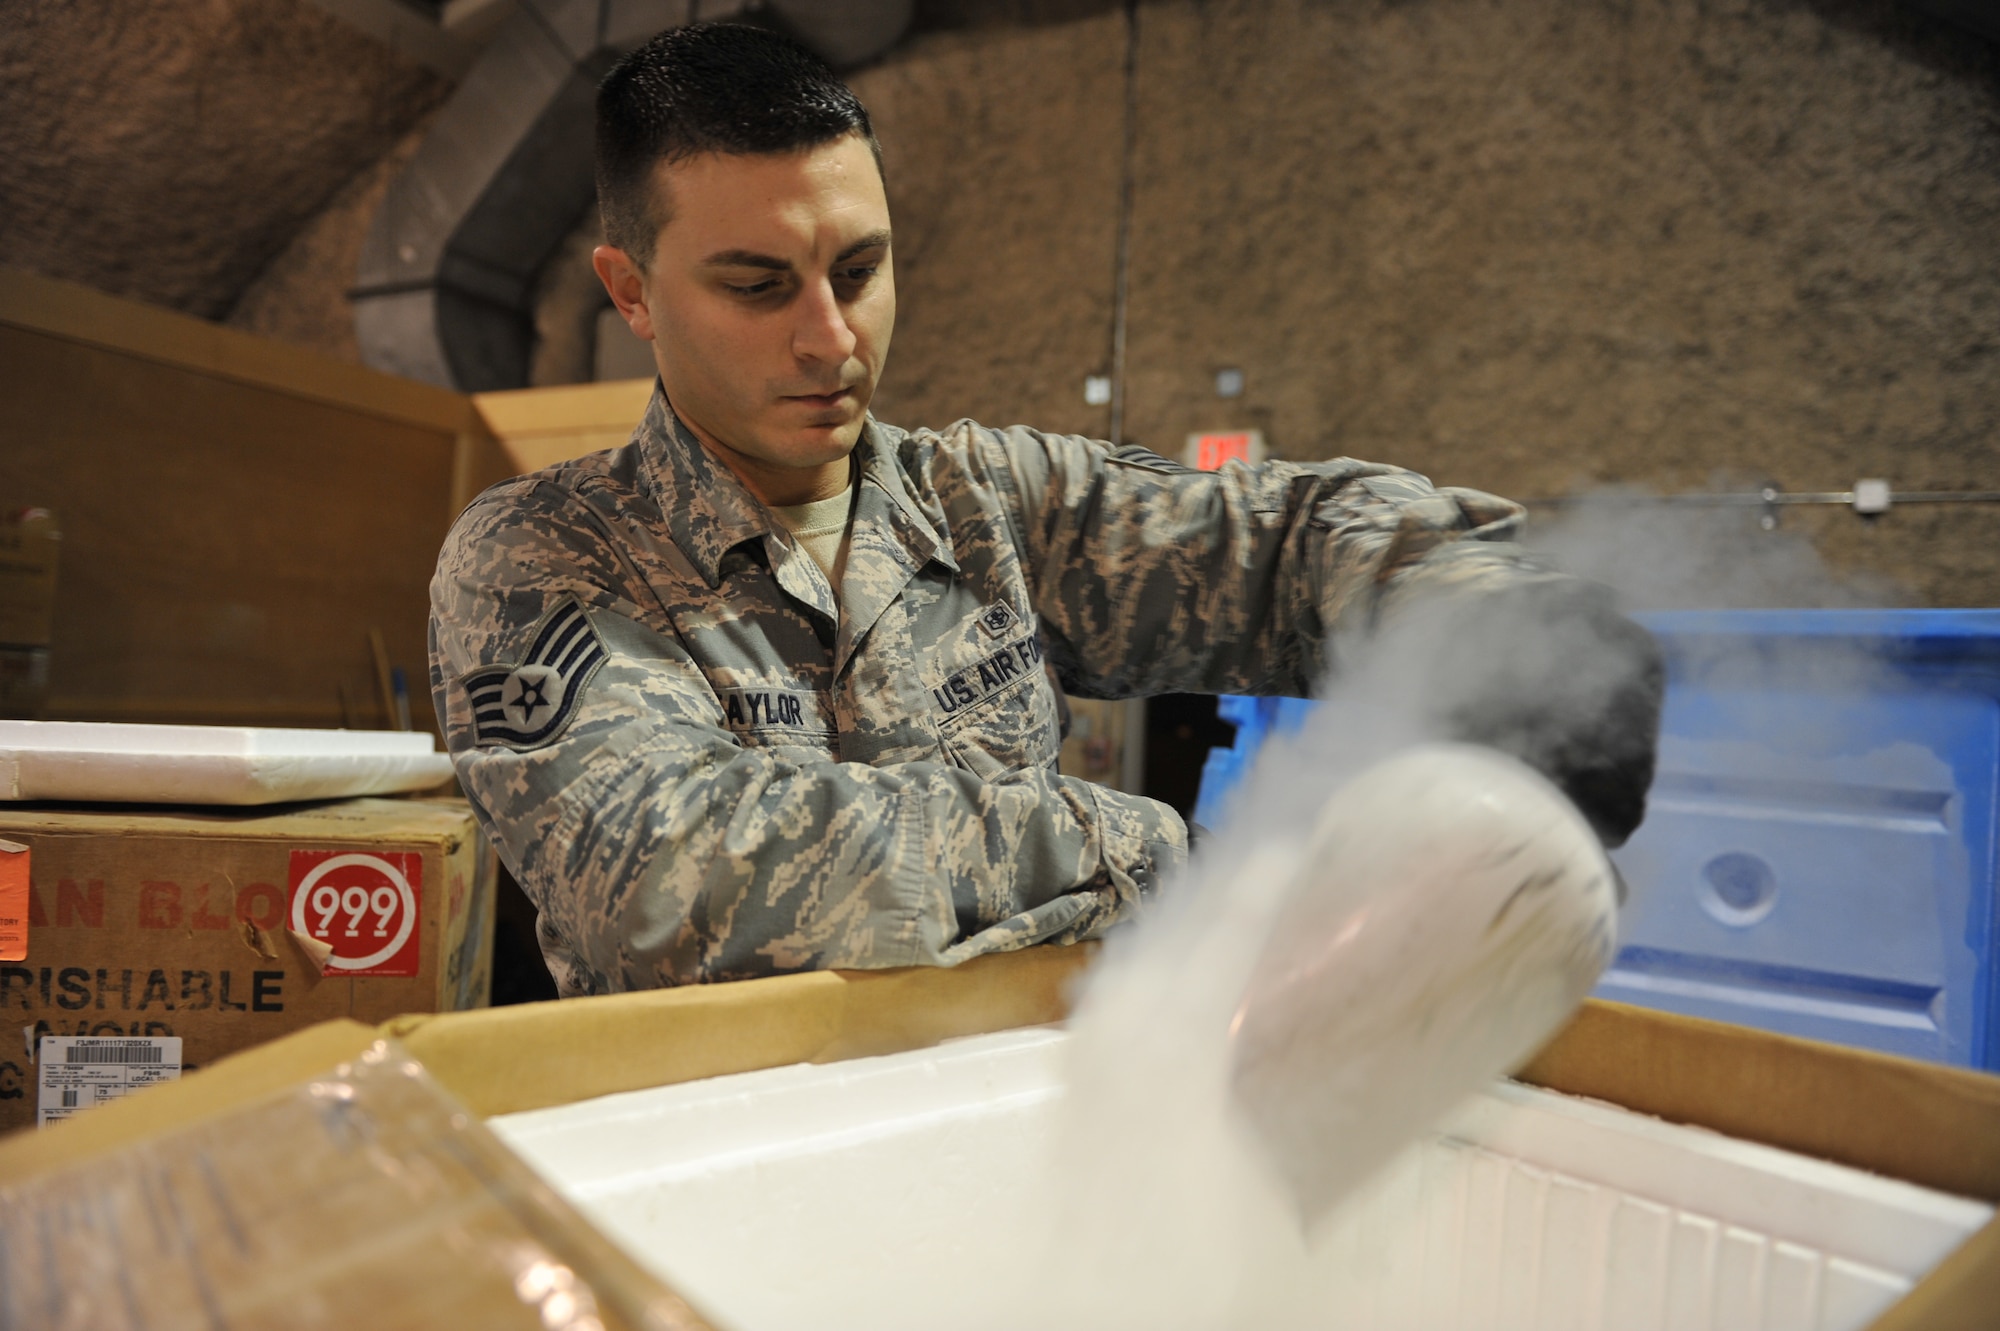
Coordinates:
column 527, row 705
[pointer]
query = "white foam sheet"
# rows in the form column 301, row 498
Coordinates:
column 99, row 761
column 901, row 1192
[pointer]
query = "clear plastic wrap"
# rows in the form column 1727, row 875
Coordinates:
column 366, row 1198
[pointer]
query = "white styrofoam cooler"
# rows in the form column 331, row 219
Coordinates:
column 154, row 764
column 892, row 1192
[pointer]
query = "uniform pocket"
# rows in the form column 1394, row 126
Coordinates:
column 1007, row 731
column 799, row 747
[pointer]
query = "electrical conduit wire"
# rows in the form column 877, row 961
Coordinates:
column 1132, row 764
column 1121, row 283
column 1867, row 502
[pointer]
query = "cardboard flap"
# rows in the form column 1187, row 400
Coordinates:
column 504, row 1060
column 1961, row 1294
column 1929, row 1124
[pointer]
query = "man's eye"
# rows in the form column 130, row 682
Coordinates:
column 764, row 287
column 857, row 276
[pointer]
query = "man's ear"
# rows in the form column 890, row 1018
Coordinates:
column 627, row 287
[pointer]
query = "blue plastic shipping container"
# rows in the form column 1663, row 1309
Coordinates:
column 1818, row 856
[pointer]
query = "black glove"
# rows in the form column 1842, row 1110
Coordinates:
column 1551, row 673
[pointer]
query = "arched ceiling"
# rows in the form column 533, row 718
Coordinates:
column 167, row 150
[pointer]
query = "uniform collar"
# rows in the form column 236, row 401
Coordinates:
column 709, row 512
column 891, row 539
column 881, row 469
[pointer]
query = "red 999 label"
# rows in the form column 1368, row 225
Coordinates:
column 362, row 904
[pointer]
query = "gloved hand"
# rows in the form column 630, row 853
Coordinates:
column 1572, row 688
column 1549, row 672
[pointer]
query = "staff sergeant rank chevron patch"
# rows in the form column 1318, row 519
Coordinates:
column 525, row 706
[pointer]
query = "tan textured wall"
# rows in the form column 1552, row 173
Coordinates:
column 567, row 299
column 300, row 297
column 1531, row 246
column 169, row 149
column 1002, row 148
column 1524, row 246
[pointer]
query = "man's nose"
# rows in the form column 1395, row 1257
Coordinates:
column 822, row 333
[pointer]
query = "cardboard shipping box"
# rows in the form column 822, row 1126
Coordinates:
column 228, row 927
column 1933, row 1125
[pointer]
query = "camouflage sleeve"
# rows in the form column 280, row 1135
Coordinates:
column 660, row 850
column 1151, row 577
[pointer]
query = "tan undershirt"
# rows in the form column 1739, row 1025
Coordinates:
column 821, row 528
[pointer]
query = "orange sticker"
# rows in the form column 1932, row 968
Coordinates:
column 13, row 901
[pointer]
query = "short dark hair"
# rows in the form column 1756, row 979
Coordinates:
column 709, row 88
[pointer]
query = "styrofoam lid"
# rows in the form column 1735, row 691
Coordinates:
column 105, row 762
column 229, row 741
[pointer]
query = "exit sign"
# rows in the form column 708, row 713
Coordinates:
column 1211, row 452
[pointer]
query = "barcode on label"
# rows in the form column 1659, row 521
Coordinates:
column 112, row 1054
column 78, row 1072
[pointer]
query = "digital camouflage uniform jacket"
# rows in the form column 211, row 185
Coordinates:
column 702, row 765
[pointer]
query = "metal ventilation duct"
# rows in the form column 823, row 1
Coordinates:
column 449, row 264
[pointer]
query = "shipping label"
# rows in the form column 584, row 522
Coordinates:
column 15, row 901
column 79, row 1072
column 362, row 904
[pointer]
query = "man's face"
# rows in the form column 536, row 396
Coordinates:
column 769, row 300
